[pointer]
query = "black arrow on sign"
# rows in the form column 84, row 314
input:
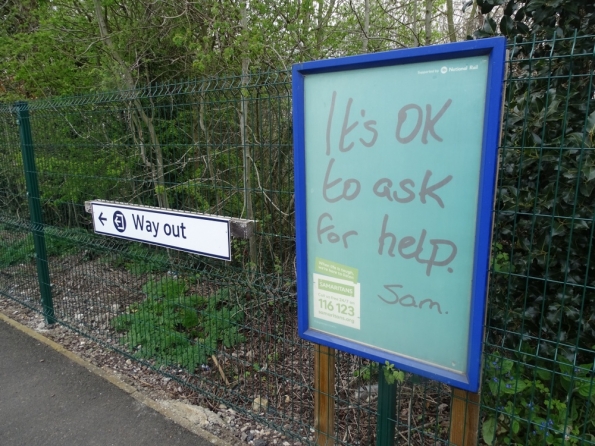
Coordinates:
column 102, row 219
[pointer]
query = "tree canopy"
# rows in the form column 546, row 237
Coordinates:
column 65, row 47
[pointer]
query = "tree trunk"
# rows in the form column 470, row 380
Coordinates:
column 366, row 26
column 414, row 25
column 428, row 22
column 159, row 178
column 452, row 35
column 471, row 21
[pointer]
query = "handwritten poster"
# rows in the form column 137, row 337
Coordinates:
column 393, row 162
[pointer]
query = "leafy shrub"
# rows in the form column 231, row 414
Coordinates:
column 538, row 404
column 175, row 329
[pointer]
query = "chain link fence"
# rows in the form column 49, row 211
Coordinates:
column 228, row 329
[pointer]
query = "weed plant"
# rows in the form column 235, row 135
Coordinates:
column 173, row 328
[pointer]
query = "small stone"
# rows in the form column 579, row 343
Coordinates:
column 128, row 361
column 249, row 437
column 222, row 406
column 260, row 442
column 244, row 436
column 260, row 404
column 244, row 429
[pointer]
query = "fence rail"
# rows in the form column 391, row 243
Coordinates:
column 224, row 147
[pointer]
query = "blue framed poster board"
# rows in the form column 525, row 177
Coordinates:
column 395, row 169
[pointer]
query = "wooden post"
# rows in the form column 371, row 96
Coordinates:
column 324, row 391
column 464, row 418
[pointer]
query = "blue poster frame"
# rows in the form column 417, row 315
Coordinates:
column 495, row 48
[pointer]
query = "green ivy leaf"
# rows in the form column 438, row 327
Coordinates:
column 506, row 25
column 508, row 10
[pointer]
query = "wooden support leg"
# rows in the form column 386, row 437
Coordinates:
column 464, row 418
column 324, row 391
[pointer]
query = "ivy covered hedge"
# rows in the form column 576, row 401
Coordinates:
column 539, row 366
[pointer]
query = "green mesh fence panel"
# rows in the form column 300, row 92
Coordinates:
column 224, row 147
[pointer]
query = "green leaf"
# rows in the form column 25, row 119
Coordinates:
column 486, row 7
column 520, row 15
column 488, row 430
column 508, row 10
column 506, row 25
column 524, row 29
column 489, row 26
column 544, row 374
column 591, row 123
column 512, row 386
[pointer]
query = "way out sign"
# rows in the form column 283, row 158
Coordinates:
column 395, row 168
column 193, row 233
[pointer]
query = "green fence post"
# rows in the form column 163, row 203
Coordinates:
column 27, row 150
column 387, row 406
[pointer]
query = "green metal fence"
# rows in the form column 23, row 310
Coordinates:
column 224, row 147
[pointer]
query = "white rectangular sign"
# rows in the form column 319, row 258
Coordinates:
column 196, row 234
column 337, row 300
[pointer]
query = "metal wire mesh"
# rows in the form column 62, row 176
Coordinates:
column 228, row 330
column 538, row 375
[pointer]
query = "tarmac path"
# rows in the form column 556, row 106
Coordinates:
column 47, row 399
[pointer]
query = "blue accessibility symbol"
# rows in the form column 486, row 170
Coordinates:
column 119, row 221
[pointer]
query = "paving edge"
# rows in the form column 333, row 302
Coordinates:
column 116, row 381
